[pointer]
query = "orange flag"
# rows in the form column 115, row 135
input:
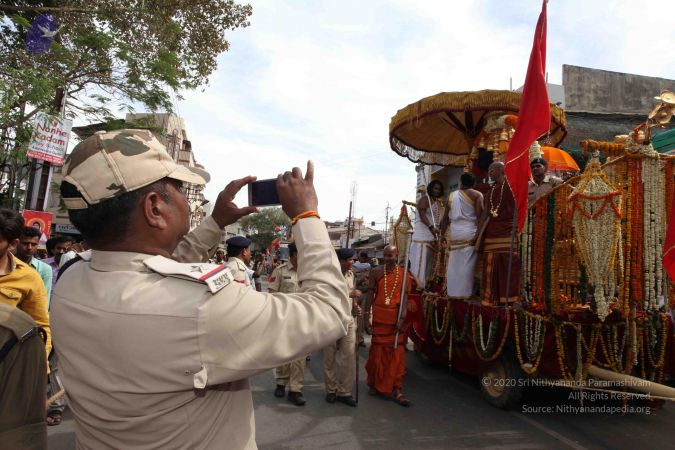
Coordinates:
column 533, row 120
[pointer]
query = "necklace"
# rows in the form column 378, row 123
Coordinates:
column 494, row 210
column 388, row 297
column 435, row 209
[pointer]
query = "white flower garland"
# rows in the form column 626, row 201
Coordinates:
column 597, row 238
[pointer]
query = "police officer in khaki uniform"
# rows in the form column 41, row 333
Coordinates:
column 156, row 353
column 238, row 259
column 285, row 279
column 339, row 388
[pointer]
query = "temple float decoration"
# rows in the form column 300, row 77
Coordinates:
column 594, row 297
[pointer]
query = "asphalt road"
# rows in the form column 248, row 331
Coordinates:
column 447, row 412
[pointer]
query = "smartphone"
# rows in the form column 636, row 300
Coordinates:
column 263, row 193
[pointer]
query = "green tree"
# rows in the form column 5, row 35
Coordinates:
column 261, row 227
column 107, row 54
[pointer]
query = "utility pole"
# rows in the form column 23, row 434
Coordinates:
column 386, row 223
column 349, row 223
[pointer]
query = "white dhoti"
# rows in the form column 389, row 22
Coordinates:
column 421, row 254
column 420, row 258
column 462, row 255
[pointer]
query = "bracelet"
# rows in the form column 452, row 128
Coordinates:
column 304, row 215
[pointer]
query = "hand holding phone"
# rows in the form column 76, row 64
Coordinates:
column 296, row 192
column 225, row 211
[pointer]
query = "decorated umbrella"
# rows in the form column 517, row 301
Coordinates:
column 443, row 129
column 559, row 160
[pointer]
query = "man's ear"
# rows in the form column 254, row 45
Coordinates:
column 13, row 244
column 156, row 210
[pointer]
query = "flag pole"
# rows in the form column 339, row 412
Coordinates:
column 403, row 289
column 511, row 248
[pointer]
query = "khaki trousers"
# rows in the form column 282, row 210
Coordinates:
column 341, row 385
column 292, row 374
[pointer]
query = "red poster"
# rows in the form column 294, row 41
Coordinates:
column 40, row 220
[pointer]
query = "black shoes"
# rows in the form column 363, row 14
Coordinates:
column 296, row 398
column 347, row 400
column 280, row 390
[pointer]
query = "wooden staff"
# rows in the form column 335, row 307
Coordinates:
column 404, row 298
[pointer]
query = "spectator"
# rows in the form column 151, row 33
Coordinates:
column 26, row 250
column 20, row 284
column 56, row 247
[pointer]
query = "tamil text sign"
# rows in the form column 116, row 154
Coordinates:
column 49, row 141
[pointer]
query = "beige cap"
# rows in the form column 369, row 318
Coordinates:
column 112, row 163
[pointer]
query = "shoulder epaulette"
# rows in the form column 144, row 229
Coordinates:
column 215, row 276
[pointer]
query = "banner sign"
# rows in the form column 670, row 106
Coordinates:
column 66, row 228
column 42, row 221
column 49, row 141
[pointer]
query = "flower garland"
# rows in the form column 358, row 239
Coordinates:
column 534, row 341
column 485, row 351
column 595, row 210
column 654, row 229
column 438, row 332
column 461, row 337
column 653, row 341
column 560, row 346
column 614, row 353
column 388, row 297
column 494, row 210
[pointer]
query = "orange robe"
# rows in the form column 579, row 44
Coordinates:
column 386, row 366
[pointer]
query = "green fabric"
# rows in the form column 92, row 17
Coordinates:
column 664, row 141
column 45, row 272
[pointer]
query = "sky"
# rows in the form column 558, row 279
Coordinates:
column 321, row 80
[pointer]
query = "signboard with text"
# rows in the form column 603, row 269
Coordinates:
column 49, row 140
column 42, row 221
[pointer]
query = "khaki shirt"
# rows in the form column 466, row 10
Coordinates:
column 534, row 190
column 284, row 279
column 155, row 362
column 239, row 271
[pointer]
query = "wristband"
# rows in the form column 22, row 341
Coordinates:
column 304, row 215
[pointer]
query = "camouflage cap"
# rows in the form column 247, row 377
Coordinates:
column 112, row 163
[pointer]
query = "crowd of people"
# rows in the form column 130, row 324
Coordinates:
column 157, row 328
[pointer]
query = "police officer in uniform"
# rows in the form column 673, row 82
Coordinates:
column 238, row 259
column 339, row 387
column 156, row 345
column 285, row 279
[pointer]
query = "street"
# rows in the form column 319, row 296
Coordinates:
column 447, row 411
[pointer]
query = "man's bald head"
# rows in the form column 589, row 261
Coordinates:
column 496, row 171
column 390, row 256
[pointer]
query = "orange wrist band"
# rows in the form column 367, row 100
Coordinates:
column 304, row 215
